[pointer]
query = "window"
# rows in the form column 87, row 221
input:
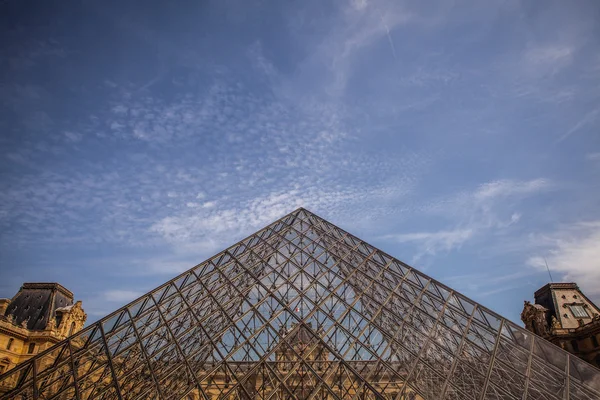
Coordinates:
column 71, row 329
column 10, row 342
column 594, row 341
column 575, row 345
column 579, row 312
column 31, row 348
column 2, row 368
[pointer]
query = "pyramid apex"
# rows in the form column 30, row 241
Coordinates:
column 302, row 208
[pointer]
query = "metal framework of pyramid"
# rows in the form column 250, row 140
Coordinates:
column 303, row 310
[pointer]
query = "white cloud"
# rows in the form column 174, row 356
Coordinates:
column 212, row 228
column 209, row 204
column 491, row 205
column 282, row 142
column 574, row 253
column 140, row 133
column 331, row 60
column 507, row 188
column 433, row 242
column 593, row 156
column 219, row 224
column 171, row 265
column 550, row 56
column 120, row 108
column 588, row 118
column 73, row 136
column 516, row 217
column 359, row 4
column 121, row 296
column 470, row 215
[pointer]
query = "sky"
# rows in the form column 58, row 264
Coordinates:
column 137, row 139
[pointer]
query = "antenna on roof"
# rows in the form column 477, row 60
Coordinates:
column 548, row 268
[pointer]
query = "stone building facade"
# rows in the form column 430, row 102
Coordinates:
column 563, row 315
column 37, row 317
column 296, row 354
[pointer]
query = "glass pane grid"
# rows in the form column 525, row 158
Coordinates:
column 303, row 309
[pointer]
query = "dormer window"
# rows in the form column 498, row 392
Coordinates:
column 579, row 311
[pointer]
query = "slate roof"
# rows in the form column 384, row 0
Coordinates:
column 36, row 303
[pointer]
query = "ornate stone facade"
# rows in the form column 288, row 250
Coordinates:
column 563, row 315
column 37, row 317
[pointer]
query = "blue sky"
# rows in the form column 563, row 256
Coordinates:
column 138, row 140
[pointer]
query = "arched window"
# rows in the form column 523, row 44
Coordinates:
column 10, row 342
column 71, row 329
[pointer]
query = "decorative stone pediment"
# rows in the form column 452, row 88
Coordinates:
column 70, row 319
column 535, row 318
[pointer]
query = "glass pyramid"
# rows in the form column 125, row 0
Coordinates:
column 303, row 310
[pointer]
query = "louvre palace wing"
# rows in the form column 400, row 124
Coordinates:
column 303, row 310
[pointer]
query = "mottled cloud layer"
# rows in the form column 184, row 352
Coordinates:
column 461, row 138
